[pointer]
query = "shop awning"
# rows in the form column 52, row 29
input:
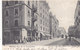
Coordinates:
column 26, row 27
column 47, row 34
column 43, row 34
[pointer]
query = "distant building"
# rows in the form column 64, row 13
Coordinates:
column 56, row 27
column 53, row 26
column 62, row 32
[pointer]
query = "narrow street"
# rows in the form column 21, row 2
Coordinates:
column 65, row 42
column 52, row 42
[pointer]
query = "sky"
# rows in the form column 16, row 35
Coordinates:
column 64, row 11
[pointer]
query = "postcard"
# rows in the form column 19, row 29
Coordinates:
column 40, row 24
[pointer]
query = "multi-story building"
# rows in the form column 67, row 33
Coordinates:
column 56, row 27
column 54, row 32
column 25, row 20
column 52, row 25
column 17, row 20
column 43, row 19
column 77, row 19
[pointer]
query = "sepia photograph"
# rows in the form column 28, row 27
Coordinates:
column 40, row 23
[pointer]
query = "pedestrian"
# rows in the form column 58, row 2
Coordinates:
column 30, row 39
column 69, row 38
column 65, row 36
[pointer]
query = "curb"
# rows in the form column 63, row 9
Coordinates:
column 76, row 40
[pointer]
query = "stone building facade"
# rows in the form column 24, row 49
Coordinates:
column 54, row 25
column 77, row 19
column 43, row 19
column 25, row 21
column 18, row 22
column 17, row 16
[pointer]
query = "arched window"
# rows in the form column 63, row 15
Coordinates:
column 16, row 11
column 7, row 4
column 16, row 22
column 29, row 23
column 28, row 13
column 7, row 13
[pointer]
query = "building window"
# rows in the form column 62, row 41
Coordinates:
column 41, row 27
column 29, row 23
column 6, row 23
column 7, row 4
column 7, row 13
column 16, row 22
column 16, row 11
column 29, row 3
column 41, row 21
column 16, row 2
column 36, row 3
column 41, row 14
column 28, row 13
column 79, row 13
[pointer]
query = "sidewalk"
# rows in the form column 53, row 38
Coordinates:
column 77, row 39
column 43, row 42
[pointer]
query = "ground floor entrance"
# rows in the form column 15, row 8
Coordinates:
column 6, row 38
